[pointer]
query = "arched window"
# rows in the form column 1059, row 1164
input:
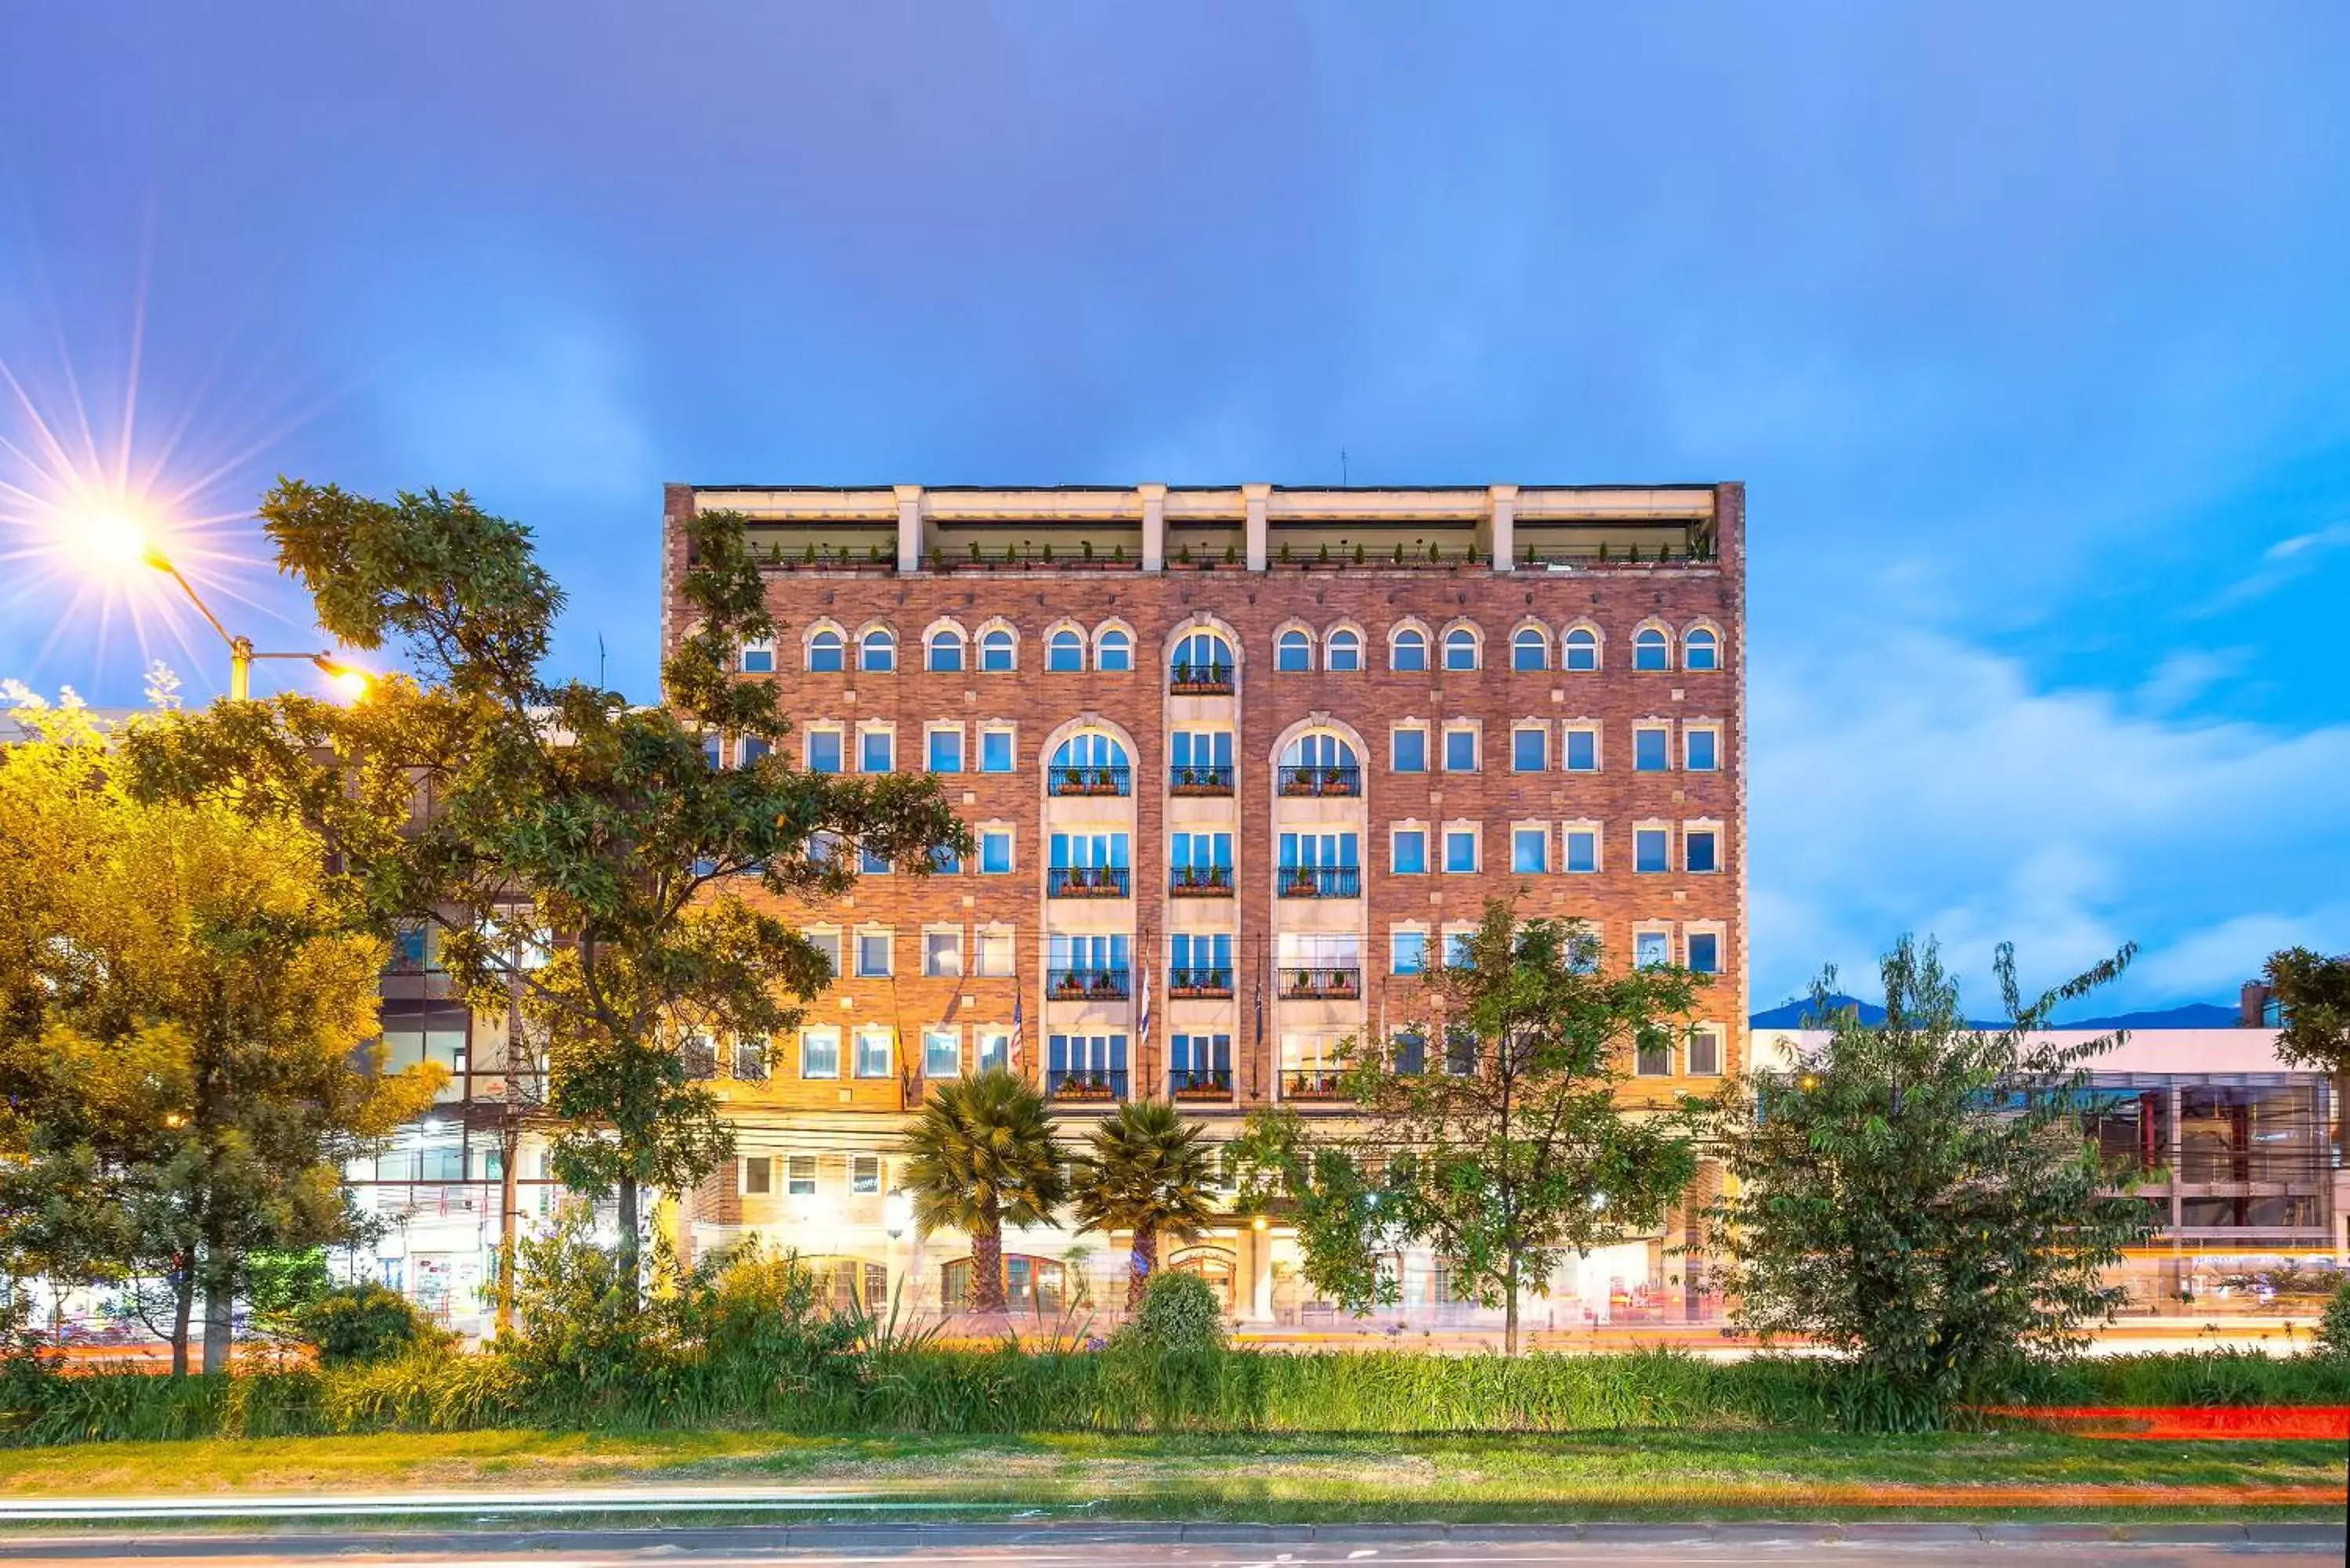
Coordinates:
column 1292, row 652
column 1319, row 763
column 1089, row 749
column 1581, row 650
column 824, row 652
column 995, row 651
column 1064, row 652
column 1344, row 651
column 1650, row 649
column 1089, row 763
column 1459, row 648
column 946, row 648
column 1409, row 650
column 879, row 652
column 1203, row 663
column 1530, row 648
column 1116, row 653
column 1701, row 650
column 759, row 656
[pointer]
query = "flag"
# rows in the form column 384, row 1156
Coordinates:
column 1019, row 1030
column 1142, row 1023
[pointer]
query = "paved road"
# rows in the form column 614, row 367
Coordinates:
column 1228, row 1546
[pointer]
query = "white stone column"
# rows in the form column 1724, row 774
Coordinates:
column 1154, row 526
column 909, row 527
column 1504, row 543
column 1260, row 1276
column 1256, row 495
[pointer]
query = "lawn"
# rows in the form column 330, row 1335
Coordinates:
column 1292, row 1477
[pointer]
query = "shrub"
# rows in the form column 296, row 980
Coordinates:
column 1180, row 1312
column 356, row 1325
column 2333, row 1327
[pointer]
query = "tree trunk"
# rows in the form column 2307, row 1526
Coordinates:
column 183, row 1305
column 987, row 1267
column 509, row 1225
column 1141, row 1264
column 629, row 1251
column 1510, row 1306
column 220, row 1316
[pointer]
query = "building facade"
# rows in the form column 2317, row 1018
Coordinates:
column 1238, row 762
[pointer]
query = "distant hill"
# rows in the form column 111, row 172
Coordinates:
column 2189, row 1015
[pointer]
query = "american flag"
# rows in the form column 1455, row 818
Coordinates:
column 1019, row 1031
column 1142, row 1024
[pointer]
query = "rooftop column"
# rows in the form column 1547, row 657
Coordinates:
column 1504, row 542
column 1256, row 495
column 1154, row 526
column 909, row 527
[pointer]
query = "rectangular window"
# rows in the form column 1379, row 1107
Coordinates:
column 942, row 1052
column 946, row 750
column 1701, row 749
column 1410, row 851
column 1408, row 952
column 1651, row 949
column 823, row 750
column 751, row 749
column 1648, row 849
column 865, row 1175
column 1581, row 752
column 876, row 751
column 1653, row 1061
column 995, row 852
column 713, row 752
column 994, row 1049
column 873, row 954
column 995, row 952
column 1201, row 851
column 872, row 1053
column 1700, row 850
column 828, row 944
column 1705, row 952
column 1530, row 849
column 1582, row 849
column 995, row 750
column 1529, row 751
column 1456, row 948
column 944, row 860
column 759, row 1175
column 820, row 1052
column 1408, row 750
column 1705, row 1051
column 1460, row 750
column 751, row 1060
column 941, row 953
column 799, row 1176
column 871, row 862
column 1460, row 850
column 1648, row 749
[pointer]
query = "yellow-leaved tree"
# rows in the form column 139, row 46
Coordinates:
column 189, row 1037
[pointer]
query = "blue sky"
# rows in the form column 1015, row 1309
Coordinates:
column 2028, row 327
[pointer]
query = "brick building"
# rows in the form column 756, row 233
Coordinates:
column 1237, row 760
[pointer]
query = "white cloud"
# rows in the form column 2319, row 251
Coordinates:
column 2282, row 563
column 1916, row 781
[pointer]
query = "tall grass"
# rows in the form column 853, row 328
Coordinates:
column 907, row 1385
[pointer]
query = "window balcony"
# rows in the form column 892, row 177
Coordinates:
column 1203, row 779
column 1312, row 1083
column 1191, row 984
column 1200, row 680
column 1200, row 1082
column 1199, row 882
column 1321, row 882
column 1085, row 779
column 1081, row 1083
column 1088, row 882
column 1087, row 985
column 1317, row 781
column 1322, row 982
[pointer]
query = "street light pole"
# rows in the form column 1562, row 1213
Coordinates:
column 241, row 653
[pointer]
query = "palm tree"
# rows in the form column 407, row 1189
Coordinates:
column 1147, row 1171
column 981, row 1153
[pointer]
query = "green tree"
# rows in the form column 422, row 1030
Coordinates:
column 982, row 1152
column 1920, row 1194
column 2312, row 998
column 1508, row 1153
column 1147, row 1170
column 586, row 864
column 185, row 1020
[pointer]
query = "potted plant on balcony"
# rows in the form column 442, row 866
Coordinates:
column 1298, row 882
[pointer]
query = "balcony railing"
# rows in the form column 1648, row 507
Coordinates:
column 1312, row 1083
column 1196, row 780
column 1088, row 882
column 1085, row 1082
column 1321, row 882
column 1315, row 780
column 1199, row 882
column 1322, row 982
column 1085, row 779
column 1200, row 1082
column 1192, row 984
column 1200, row 680
column 1099, row 984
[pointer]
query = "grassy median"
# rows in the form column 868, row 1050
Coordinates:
column 1291, row 1477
